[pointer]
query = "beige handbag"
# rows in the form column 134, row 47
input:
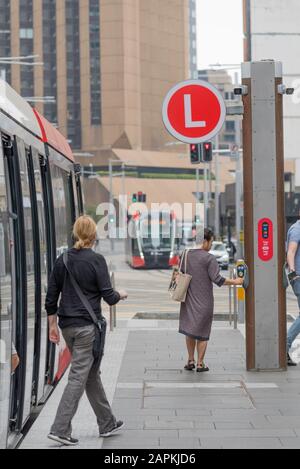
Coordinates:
column 180, row 282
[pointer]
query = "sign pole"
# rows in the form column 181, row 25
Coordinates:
column 217, row 191
column 205, row 195
column 264, row 216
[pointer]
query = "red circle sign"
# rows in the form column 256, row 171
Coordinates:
column 194, row 111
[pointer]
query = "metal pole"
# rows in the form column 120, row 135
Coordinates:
column 239, row 182
column 210, row 180
column 111, row 322
column 198, row 184
column 230, row 297
column 238, row 195
column 217, row 192
column 113, row 282
column 112, row 309
column 111, row 204
column 235, row 301
column 123, row 180
column 205, row 195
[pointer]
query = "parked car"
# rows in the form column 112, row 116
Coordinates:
column 220, row 252
column 186, row 233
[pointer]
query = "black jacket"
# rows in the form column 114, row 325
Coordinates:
column 91, row 272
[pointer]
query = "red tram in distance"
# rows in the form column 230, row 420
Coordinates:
column 40, row 198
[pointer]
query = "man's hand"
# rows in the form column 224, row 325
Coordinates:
column 123, row 294
column 293, row 276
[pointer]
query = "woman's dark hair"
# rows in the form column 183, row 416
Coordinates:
column 208, row 234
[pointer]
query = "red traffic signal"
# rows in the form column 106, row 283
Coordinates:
column 207, row 156
column 195, row 153
column 140, row 197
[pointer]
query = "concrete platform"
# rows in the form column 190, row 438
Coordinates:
column 165, row 407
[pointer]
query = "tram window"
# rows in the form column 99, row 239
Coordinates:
column 63, row 209
column 5, row 305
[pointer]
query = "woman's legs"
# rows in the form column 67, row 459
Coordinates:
column 191, row 346
column 201, row 349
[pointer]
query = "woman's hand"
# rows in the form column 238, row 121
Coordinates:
column 54, row 335
column 15, row 361
column 239, row 282
column 123, row 294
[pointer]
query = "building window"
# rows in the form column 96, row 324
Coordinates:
column 5, row 38
column 95, row 70
column 26, row 33
column 49, row 58
column 26, row 46
column 230, row 126
column 73, row 73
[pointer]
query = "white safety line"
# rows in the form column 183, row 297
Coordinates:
column 213, row 385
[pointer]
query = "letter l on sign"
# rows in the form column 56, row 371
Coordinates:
column 189, row 123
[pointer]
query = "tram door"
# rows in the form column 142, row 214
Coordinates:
column 6, row 245
column 41, row 273
column 29, row 287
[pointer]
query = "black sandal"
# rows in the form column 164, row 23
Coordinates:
column 202, row 368
column 190, row 366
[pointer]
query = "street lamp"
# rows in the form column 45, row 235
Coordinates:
column 26, row 60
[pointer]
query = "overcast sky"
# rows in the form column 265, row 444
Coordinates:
column 220, row 32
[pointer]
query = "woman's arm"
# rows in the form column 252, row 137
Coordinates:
column 215, row 273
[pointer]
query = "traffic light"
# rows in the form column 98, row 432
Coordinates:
column 195, row 152
column 207, row 152
column 139, row 197
column 142, row 197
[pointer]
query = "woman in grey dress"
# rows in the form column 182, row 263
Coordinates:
column 196, row 315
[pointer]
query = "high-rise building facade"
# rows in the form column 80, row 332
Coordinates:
column 229, row 135
column 193, row 39
column 107, row 63
column 272, row 31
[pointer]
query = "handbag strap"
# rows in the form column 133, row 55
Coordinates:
column 181, row 261
column 184, row 258
column 80, row 293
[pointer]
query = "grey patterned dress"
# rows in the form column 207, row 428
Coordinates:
column 196, row 314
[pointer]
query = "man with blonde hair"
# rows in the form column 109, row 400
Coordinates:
column 82, row 279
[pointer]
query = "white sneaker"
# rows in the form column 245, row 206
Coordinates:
column 118, row 427
column 62, row 440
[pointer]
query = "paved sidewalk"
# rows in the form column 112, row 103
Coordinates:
column 165, row 407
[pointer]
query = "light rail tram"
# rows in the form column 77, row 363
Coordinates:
column 40, row 198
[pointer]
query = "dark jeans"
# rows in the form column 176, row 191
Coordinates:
column 294, row 330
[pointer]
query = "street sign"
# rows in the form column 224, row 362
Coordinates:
column 194, row 111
